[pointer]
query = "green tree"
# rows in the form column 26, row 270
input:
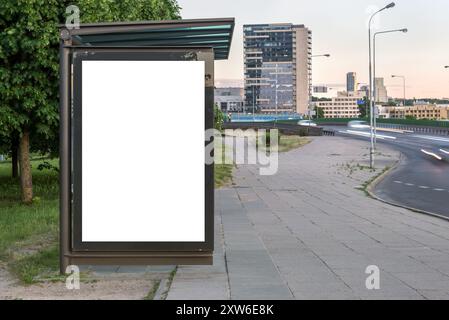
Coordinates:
column 319, row 112
column 392, row 103
column 364, row 108
column 218, row 117
column 29, row 44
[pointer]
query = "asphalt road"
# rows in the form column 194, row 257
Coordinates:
column 421, row 180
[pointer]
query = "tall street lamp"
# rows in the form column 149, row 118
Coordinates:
column 391, row 5
column 404, row 30
column 326, row 55
column 403, row 83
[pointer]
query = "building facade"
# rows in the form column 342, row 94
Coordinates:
column 418, row 111
column 345, row 105
column 277, row 67
column 351, row 82
column 230, row 100
column 380, row 91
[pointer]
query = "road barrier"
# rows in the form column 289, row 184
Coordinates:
column 428, row 129
column 415, row 128
column 285, row 128
column 406, row 122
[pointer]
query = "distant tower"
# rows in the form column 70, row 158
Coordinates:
column 380, row 91
column 351, row 82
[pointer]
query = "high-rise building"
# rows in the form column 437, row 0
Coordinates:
column 277, row 60
column 380, row 91
column 351, row 82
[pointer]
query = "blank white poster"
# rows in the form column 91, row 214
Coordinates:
column 143, row 155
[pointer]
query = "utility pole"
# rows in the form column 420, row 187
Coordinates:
column 404, row 30
column 391, row 5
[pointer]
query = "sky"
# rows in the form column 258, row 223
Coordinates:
column 339, row 27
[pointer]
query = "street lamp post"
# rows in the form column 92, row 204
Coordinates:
column 326, row 55
column 404, row 30
column 403, row 84
column 391, row 5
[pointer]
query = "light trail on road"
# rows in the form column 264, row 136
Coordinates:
column 421, row 179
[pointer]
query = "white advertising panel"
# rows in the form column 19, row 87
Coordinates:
column 143, row 172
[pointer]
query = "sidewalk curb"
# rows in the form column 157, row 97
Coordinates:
column 370, row 189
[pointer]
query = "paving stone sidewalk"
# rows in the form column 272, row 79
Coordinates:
column 309, row 232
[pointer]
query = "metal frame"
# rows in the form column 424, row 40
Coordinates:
column 121, row 253
column 132, row 29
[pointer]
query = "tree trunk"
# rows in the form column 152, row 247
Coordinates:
column 14, row 159
column 26, row 180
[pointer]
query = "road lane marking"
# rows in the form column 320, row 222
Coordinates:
column 444, row 151
column 421, row 187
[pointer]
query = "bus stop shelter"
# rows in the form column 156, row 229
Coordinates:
column 121, row 77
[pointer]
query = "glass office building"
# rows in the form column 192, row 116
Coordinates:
column 351, row 82
column 277, row 68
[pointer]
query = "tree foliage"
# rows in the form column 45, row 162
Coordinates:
column 29, row 58
column 29, row 65
column 364, row 108
column 218, row 117
column 319, row 112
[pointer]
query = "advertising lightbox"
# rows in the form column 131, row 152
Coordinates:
column 140, row 182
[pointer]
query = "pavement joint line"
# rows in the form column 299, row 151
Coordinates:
column 263, row 243
column 225, row 257
column 351, row 249
column 310, row 249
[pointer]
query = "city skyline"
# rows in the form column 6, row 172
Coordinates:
column 339, row 28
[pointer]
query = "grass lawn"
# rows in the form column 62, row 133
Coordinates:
column 29, row 233
column 222, row 174
column 288, row 143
